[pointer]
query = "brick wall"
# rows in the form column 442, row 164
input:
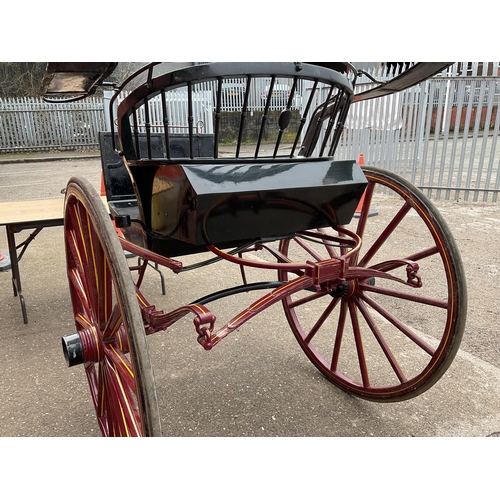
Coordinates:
column 476, row 113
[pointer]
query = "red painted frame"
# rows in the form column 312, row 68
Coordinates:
column 324, row 276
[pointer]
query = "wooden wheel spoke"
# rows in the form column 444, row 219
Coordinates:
column 331, row 250
column 83, row 321
column 391, row 226
column 94, row 383
column 99, row 282
column 416, row 257
column 304, row 300
column 80, row 291
column 308, row 248
column 121, row 404
column 324, row 316
column 102, row 392
column 339, row 336
column 91, row 264
column 75, row 250
column 113, row 391
column 397, row 263
column 363, row 367
column 81, row 235
column 380, row 339
column 367, row 201
column 122, row 365
column 111, row 414
column 115, row 320
column 77, row 214
column 430, row 301
column 400, row 325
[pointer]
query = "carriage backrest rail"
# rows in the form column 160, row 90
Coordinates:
column 302, row 105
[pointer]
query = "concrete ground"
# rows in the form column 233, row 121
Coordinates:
column 257, row 382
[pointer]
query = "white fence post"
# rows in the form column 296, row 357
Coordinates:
column 441, row 135
column 30, row 124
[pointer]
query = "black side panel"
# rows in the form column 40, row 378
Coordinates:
column 116, row 177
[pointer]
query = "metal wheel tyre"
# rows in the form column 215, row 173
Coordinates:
column 110, row 338
column 378, row 338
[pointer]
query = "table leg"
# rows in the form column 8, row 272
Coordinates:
column 16, row 276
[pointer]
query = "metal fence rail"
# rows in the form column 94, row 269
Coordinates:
column 32, row 124
column 441, row 135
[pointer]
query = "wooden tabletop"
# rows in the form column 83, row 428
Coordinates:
column 18, row 212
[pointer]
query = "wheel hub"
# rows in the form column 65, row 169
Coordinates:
column 73, row 349
column 82, row 347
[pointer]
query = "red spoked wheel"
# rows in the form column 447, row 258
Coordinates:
column 110, row 339
column 381, row 338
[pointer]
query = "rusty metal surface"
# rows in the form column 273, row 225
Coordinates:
column 63, row 78
column 416, row 74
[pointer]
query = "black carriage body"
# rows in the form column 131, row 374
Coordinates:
column 199, row 204
column 190, row 193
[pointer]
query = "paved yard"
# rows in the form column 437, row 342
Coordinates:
column 257, row 382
